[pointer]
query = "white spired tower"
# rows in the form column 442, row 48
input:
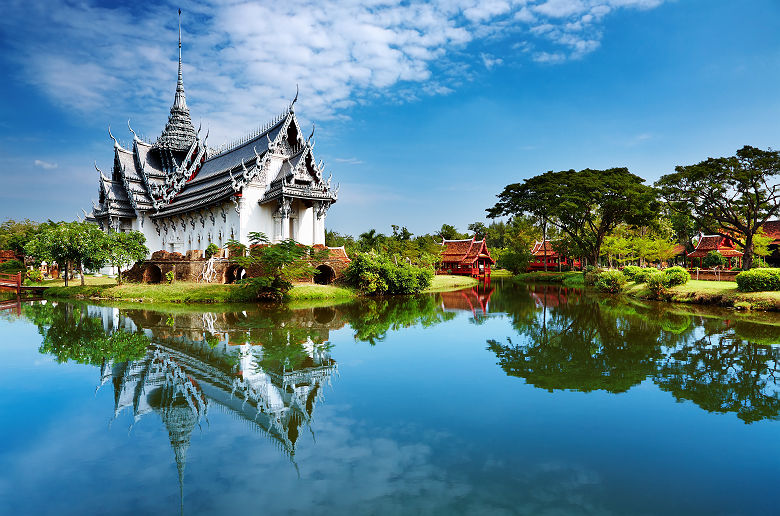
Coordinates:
column 182, row 194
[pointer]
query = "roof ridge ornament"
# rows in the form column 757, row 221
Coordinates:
column 290, row 109
column 135, row 136
column 116, row 143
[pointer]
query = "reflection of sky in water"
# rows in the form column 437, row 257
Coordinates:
column 425, row 421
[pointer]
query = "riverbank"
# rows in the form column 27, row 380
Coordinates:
column 719, row 293
column 105, row 289
column 700, row 292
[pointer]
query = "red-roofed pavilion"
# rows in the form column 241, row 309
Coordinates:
column 543, row 251
column 465, row 257
column 724, row 245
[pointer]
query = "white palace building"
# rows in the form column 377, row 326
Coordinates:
column 183, row 195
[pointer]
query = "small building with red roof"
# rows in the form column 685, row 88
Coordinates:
column 469, row 257
column 772, row 230
column 724, row 245
column 543, row 252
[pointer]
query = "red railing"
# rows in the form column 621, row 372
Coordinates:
column 11, row 281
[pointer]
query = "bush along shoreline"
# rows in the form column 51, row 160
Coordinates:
column 754, row 289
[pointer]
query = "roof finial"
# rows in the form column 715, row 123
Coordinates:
column 296, row 97
column 116, row 143
column 135, row 137
column 180, row 101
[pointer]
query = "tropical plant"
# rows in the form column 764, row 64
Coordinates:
column 374, row 273
column 611, row 281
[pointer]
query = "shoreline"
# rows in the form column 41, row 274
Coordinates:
column 180, row 292
column 696, row 292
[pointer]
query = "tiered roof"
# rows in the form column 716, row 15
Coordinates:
column 464, row 251
column 709, row 243
column 544, row 248
column 772, row 230
column 179, row 173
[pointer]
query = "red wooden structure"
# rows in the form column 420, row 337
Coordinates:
column 11, row 282
column 709, row 243
column 543, row 252
column 772, row 230
column 465, row 257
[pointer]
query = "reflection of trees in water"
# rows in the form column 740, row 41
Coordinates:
column 69, row 334
column 591, row 342
column 723, row 373
column 371, row 319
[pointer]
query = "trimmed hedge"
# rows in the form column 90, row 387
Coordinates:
column 674, row 276
column 629, row 271
column 759, row 280
column 655, row 283
column 611, row 281
column 643, row 275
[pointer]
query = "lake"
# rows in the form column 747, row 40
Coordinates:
column 502, row 399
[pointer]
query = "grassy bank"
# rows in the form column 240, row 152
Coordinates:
column 701, row 292
column 444, row 282
column 569, row 279
column 720, row 293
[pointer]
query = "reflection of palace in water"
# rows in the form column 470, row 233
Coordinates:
column 475, row 300
column 198, row 363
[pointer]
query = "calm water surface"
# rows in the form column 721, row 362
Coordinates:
column 505, row 399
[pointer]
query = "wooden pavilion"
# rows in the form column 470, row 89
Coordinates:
column 709, row 243
column 543, row 252
column 469, row 257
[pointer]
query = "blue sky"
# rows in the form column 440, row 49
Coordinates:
column 424, row 111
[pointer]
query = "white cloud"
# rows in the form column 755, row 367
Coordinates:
column 45, row 164
column 348, row 161
column 244, row 59
column 489, row 61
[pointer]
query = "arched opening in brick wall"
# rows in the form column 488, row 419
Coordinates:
column 235, row 273
column 152, row 274
column 325, row 275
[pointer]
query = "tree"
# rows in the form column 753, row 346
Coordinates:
column 714, row 259
column 401, row 234
column 479, row 229
column 14, row 234
column 449, row 232
column 89, row 246
column 732, row 197
column 79, row 243
column 126, row 248
column 585, row 206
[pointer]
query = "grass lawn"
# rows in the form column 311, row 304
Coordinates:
column 569, row 279
column 88, row 280
column 722, row 293
column 443, row 282
column 311, row 291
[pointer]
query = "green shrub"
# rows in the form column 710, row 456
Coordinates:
column 629, row 271
column 590, row 275
column 11, row 267
column 642, row 275
column 373, row 273
column 655, row 283
column 34, row 275
column 759, row 280
column 714, row 259
column 674, row 276
column 611, row 281
column 170, row 276
column 211, row 250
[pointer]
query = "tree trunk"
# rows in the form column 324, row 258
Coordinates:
column 66, row 272
column 544, row 241
column 81, row 271
column 747, row 258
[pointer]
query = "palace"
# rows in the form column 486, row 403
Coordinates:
column 183, row 195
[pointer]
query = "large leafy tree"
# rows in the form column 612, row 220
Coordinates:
column 14, row 234
column 126, row 248
column 585, row 206
column 732, row 196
